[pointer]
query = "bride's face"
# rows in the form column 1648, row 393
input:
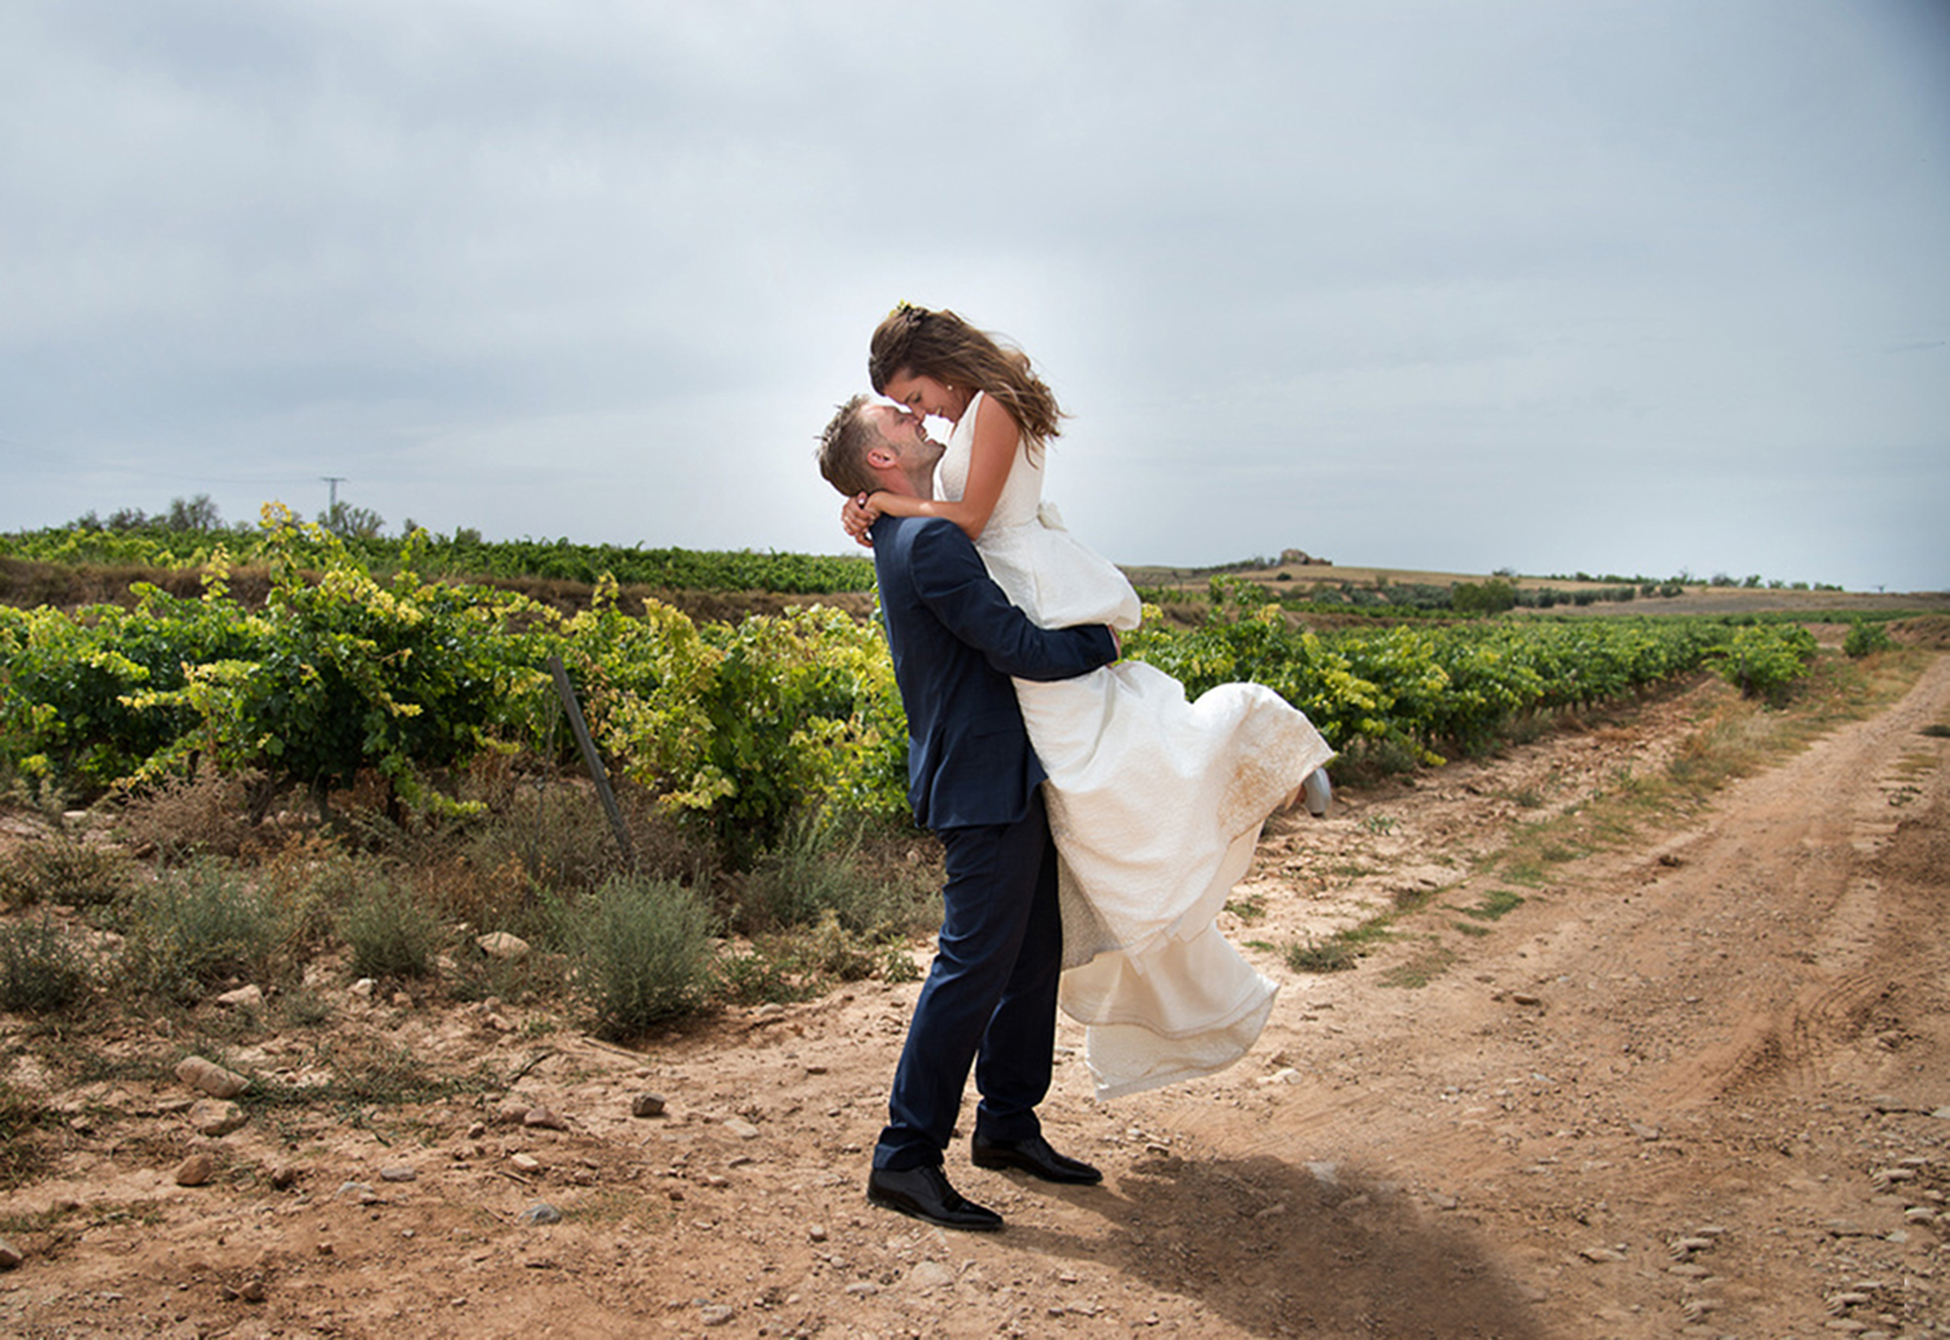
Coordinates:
column 925, row 395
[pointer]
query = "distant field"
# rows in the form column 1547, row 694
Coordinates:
column 1295, row 581
column 71, row 566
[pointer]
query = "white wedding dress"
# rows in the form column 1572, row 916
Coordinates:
column 1155, row 803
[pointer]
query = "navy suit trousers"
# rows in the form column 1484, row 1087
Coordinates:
column 990, row 996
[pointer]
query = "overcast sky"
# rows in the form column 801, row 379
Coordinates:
column 1626, row 287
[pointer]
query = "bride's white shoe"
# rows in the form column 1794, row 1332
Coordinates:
column 1314, row 791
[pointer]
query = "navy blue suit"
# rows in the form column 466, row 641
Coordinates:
column 990, row 996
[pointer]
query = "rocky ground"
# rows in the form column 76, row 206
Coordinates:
column 1694, row 1081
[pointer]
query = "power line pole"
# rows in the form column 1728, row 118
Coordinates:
column 332, row 503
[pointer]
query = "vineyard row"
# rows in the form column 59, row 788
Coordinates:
column 738, row 725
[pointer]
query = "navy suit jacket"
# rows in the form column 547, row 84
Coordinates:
column 956, row 641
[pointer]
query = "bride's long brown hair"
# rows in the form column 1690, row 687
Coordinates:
column 941, row 345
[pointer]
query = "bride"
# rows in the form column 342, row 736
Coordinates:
column 1155, row 802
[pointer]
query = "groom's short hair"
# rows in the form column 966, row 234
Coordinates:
column 843, row 449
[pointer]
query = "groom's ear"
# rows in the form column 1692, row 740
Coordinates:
column 880, row 456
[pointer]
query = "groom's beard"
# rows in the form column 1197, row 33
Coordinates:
column 920, row 475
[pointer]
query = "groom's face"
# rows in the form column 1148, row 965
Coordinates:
column 914, row 451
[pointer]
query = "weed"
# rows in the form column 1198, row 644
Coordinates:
column 40, row 972
column 559, row 837
column 1248, row 909
column 500, row 898
column 539, row 835
column 1527, row 727
column 1408, row 900
column 479, row 976
column 23, row 1155
column 1380, row 824
column 1916, row 763
column 1494, row 905
column 1423, row 967
column 201, row 926
column 389, row 933
column 1523, row 869
column 762, row 975
column 376, row 1075
column 642, row 952
column 304, row 1008
column 82, row 1061
column 1937, row 730
column 64, row 871
column 313, row 880
column 896, row 964
column 209, row 814
column 832, row 950
column 1365, row 761
column 822, row 865
column 1336, row 953
column 1535, row 847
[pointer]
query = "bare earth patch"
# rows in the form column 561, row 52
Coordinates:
column 1686, row 1082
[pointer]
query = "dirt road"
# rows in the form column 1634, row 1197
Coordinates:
column 1695, row 1084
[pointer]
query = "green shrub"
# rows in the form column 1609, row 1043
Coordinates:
column 642, row 953
column 1764, row 660
column 803, row 709
column 40, row 971
column 201, row 926
column 1864, row 638
column 1490, row 597
column 389, row 932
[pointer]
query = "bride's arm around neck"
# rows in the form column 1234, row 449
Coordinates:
column 993, row 454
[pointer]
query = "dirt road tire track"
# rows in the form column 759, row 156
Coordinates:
column 1714, row 1020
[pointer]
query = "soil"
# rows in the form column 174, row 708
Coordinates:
column 1696, row 1082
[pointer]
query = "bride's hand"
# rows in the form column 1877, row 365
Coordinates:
column 858, row 514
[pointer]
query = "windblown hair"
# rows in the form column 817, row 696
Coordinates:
column 843, row 448
column 943, row 346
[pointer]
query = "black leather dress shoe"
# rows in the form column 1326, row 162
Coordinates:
column 924, row 1193
column 1035, row 1157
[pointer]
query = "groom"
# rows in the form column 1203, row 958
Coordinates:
column 990, row 996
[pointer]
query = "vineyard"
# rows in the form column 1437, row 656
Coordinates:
column 734, row 727
column 460, row 555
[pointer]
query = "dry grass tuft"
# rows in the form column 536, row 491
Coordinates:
column 210, row 814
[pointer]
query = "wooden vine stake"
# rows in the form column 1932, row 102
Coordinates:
column 592, row 760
